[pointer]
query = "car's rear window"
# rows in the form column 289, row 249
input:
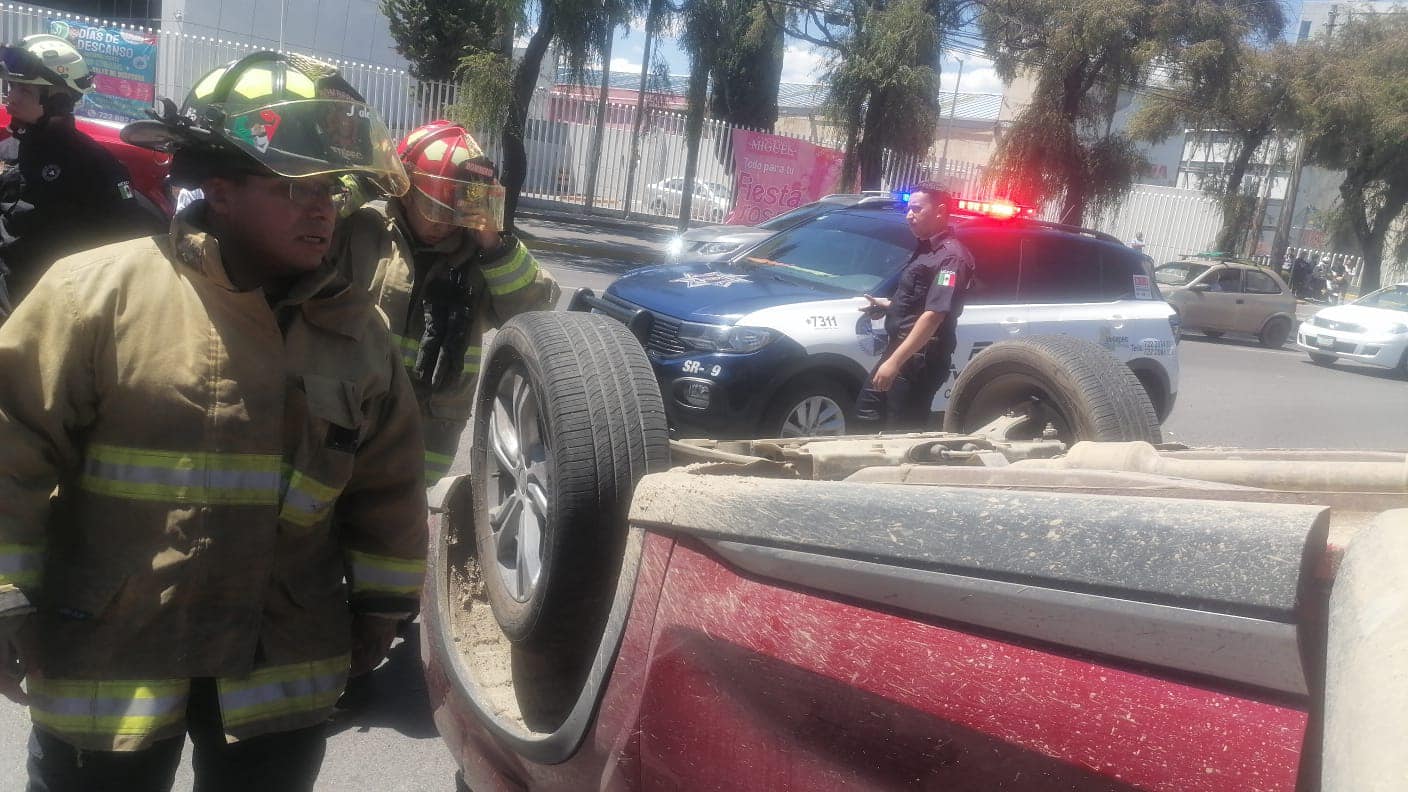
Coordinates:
column 1179, row 273
column 1037, row 266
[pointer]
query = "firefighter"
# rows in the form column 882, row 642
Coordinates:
column 67, row 193
column 437, row 263
column 184, row 420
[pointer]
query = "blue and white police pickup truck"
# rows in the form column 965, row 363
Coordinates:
column 772, row 342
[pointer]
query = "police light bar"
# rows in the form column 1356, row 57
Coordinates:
column 998, row 209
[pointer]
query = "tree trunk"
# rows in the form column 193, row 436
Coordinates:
column 693, row 131
column 650, row 24
column 594, row 164
column 850, row 164
column 870, row 152
column 1073, row 203
column 525, row 79
column 1236, row 208
column 1372, row 232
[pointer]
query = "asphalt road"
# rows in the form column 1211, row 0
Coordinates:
column 1232, row 393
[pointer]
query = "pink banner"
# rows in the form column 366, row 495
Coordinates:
column 776, row 174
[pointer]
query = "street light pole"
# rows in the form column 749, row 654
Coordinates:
column 948, row 133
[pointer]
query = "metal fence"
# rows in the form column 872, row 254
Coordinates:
column 562, row 125
column 558, row 136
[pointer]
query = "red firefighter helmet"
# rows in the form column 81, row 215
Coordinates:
column 452, row 181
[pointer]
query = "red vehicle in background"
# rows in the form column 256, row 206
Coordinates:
column 985, row 611
column 147, row 168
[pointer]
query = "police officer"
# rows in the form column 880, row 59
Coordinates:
column 921, row 319
column 211, row 505
column 67, row 193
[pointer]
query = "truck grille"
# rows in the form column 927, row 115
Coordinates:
column 664, row 340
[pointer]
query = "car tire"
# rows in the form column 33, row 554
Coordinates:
column 812, row 405
column 567, row 419
column 1073, row 384
column 1213, row 333
column 1323, row 360
column 1275, row 332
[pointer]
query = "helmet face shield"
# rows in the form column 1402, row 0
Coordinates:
column 308, row 137
column 19, row 65
column 476, row 205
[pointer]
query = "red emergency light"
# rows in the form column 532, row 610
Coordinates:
column 996, row 209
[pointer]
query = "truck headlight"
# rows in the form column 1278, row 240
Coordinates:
column 725, row 338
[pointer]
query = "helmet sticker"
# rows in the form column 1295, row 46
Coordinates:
column 258, row 133
column 50, row 172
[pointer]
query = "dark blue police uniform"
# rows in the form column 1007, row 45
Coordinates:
column 936, row 278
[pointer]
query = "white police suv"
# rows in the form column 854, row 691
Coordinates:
column 771, row 343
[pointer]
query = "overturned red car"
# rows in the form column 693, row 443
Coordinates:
column 992, row 610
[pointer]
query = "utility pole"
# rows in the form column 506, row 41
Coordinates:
column 948, row 134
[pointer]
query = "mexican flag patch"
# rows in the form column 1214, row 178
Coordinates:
column 945, row 278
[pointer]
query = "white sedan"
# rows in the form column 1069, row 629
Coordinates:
column 1372, row 330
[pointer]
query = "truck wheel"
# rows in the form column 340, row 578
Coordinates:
column 1275, row 332
column 1077, row 387
column 810, row 406
column 567, row 420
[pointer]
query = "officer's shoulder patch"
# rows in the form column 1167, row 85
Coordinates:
column 50, row 172
column 944, row 278
column 125, row 190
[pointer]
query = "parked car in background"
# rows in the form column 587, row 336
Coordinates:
column 716, row 243
column 1372, row 330
column 711, row 199
column 1224, row 296
column 772, row 342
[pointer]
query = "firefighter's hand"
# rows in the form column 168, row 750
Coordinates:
column 371, row 640
column 885, row 375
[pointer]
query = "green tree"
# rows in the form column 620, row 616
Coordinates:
column 748, row 74
column 496, row 89
column 1354, row 110
column 704, row 37
column 1079, row 54
column 883, row 73
column 1246, row 109
column 433, row 35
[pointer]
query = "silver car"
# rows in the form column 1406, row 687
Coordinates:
column 1220, row 297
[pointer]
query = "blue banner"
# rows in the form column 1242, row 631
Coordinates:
column 123, row 65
